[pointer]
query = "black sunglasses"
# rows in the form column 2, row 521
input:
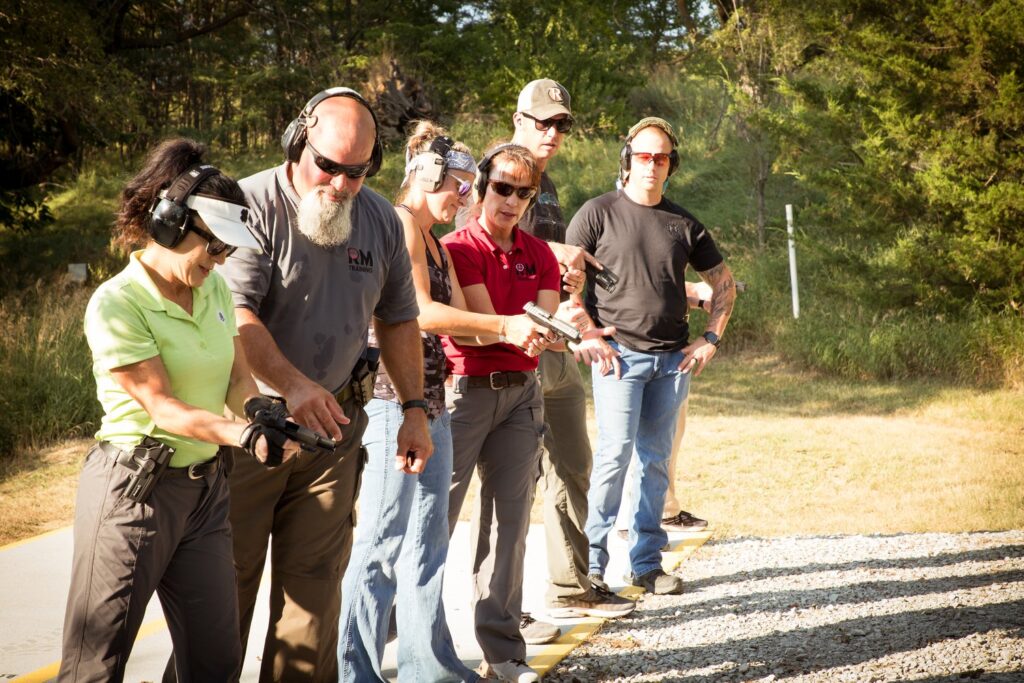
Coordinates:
column 561, row 125
column 506, row 190
column 333, row 168
column 214, row 245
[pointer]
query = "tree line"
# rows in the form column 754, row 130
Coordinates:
column 897, row 126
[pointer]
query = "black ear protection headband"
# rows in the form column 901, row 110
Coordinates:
column 168, row 218
column 433, row 164
column 483, row 175
column 625, row 156
column 294, row 138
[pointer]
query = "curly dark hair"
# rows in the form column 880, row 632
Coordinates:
column 165, row 162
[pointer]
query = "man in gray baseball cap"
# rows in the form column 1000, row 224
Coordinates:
column 543, row 117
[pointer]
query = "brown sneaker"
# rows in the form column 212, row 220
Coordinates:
column 537, row 632
column 595, row 603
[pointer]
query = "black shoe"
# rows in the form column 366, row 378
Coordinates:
column 683, row 521
column 658, row 582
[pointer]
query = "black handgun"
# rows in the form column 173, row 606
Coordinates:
column 150, row 458
column 303, row 435
column 604, row 278
column 563, row 329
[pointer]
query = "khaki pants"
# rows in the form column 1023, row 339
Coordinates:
column 178, row 544
column 566, row 465
column 498, row 433
column 307, row 506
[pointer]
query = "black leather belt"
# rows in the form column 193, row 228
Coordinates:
column 196, row 470
column 495, row 380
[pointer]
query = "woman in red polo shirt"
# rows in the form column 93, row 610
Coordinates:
column 495, row 399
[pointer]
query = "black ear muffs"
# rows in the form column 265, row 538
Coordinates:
column 484, row 172
column 433, row 164
column 627, row 152
column 294, row 139
column 169, row 216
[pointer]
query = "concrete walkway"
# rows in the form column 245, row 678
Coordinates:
column 35, row 574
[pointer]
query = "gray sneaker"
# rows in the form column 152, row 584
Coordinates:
column 595, row 603
column 537, row 632
column 597, row 581
column 514, row 671
column 658, row 582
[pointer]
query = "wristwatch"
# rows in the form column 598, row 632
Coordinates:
column 416, row 403
column 712, row 338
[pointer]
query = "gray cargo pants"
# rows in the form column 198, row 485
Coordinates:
column 177, row 543
column 498, row 432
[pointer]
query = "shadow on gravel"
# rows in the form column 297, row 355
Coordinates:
column 1013, row 551
column 923, row 636
column 809, row 650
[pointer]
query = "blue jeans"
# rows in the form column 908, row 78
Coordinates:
column 401, row 543
column 637, row 412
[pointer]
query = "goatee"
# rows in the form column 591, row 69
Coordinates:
column 325, row 217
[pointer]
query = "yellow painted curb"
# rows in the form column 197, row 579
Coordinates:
column 50, row 671
column 548, row 658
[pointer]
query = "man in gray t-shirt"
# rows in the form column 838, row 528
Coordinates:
column 333, row 259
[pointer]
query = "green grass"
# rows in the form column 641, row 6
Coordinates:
column 46, row 389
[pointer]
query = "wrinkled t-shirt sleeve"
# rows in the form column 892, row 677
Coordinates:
column 466, row 261
column 117, row 331
column 582, row 231
column 705, row 254
column 397, row 301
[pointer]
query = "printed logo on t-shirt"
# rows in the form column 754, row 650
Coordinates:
column 526, row 271
column 360, row 260
column 221, row 317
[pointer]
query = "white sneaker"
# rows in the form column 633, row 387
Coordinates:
column 515, row 671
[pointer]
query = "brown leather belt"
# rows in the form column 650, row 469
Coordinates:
column 495, row 381
column 196, row 470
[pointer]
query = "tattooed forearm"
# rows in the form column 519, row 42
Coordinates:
column 722, row 298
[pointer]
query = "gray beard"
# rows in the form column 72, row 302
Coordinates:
column 325, row 223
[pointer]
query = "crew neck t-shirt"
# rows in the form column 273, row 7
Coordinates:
column 315, row 301
column 127, row 321
column 649, row 248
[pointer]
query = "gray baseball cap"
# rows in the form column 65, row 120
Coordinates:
column 543, row 99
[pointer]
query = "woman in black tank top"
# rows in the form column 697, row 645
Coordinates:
column 401, row 541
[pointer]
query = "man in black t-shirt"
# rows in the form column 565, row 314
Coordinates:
column 648, row 241
column 542, row 118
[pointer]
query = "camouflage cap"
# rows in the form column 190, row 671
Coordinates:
column 653, row 122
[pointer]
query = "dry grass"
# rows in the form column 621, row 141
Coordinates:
column 37, row 489
column 769, row 450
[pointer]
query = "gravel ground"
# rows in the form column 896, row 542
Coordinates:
column 906, row 607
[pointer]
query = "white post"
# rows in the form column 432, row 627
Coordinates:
column 792, row 261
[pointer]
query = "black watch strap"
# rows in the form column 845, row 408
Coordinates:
column 416, row 403
column 712, row 338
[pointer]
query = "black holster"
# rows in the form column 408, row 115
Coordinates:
column 147, row 461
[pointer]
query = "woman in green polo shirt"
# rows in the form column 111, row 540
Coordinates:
column 166, row 359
